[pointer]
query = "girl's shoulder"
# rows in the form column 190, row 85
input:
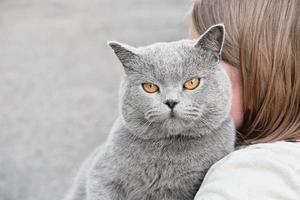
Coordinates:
column 284, row 155
column 261, row 171
column 287, row 153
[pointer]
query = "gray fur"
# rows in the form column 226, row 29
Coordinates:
column 150, row 155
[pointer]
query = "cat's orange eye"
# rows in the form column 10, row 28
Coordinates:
column 150, row 87
column 191, row 84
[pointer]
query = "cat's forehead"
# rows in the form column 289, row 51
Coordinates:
column 170, row 61
column 170, row 49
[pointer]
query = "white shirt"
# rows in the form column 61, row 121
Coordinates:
column 268, row 171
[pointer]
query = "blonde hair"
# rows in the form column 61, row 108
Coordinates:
column 263, row 41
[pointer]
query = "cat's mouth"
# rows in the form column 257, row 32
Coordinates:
column 174, row 125
column 172, row 114
column 185, row 118
column 175, row 117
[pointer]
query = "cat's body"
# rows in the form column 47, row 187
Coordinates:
column 156, row 150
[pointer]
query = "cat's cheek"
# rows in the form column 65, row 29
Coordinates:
column 145, row 97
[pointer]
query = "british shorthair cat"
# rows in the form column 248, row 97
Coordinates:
column 173, row 125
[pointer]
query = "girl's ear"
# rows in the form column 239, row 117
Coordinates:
column 126, row 54
column 212, row 40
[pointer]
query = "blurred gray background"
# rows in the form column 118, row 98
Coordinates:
column 59, row 83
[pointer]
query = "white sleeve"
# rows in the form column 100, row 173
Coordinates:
column 251, row 174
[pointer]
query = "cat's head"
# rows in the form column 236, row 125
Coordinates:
column 175, row 88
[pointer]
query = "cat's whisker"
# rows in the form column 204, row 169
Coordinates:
column 145, row 127
column 210, row 129
column 237, row 132
column 192, row 110
column 141, row 128
column 204, row 122
column 192, row 115
column 154, row 109
column 134, row 109
column 193, row 106
column 150, row 114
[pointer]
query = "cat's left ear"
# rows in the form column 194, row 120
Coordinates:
column 212, row 40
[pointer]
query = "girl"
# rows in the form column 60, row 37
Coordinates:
column 262, row 58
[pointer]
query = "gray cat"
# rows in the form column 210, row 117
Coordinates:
column 174, row 123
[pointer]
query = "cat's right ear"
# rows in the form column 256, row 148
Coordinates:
column 212, row 40
column 125, row 53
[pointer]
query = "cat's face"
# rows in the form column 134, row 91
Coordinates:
column 174, row 88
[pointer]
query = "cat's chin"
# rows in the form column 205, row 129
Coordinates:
column 176, row 126
column 168, row 127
